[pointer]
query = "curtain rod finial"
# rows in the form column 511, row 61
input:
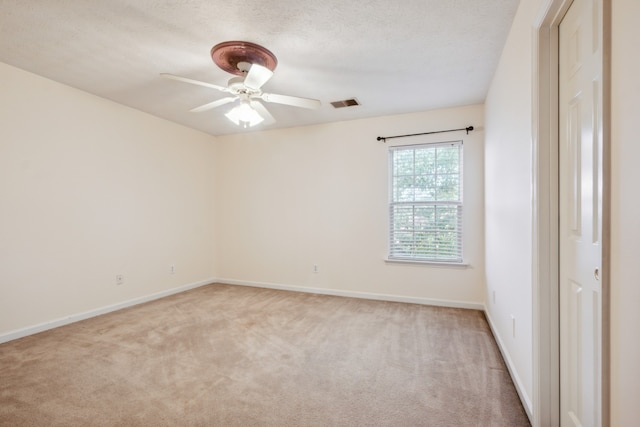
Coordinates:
column 470, row 128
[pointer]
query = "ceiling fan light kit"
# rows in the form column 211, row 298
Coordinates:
column 254, row 66
column 245, row 116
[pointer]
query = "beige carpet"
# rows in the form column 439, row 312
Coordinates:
column 225, row 355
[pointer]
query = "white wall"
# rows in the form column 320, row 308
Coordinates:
column 508, row 206
column 289, row 199
column 625, row 215
column 90, row 189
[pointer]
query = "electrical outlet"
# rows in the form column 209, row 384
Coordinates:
column 315, row 268
column 172, row 269
column 119, row 279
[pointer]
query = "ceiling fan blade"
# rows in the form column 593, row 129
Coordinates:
column 266, row 115
column 194, row 82
column 257, row 76
column 291, row 100
column 214, row 104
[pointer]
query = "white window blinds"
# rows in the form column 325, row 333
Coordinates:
column 425, row 202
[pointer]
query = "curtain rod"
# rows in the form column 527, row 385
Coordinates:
column 384, row 138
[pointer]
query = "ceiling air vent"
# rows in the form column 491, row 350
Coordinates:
column 345, row 103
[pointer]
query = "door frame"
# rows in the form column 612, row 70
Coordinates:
column 545, row 212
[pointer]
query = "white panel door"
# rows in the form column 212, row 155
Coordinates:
column 580, row 154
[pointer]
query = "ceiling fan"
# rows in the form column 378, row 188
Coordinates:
column 253, row 65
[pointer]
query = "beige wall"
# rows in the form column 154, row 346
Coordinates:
column 625, row 215
column 90, row 189
column 289, row 199
column 508, row 206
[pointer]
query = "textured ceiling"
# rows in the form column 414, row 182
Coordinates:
column 394, row 57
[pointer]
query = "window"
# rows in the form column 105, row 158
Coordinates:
column 425, row 202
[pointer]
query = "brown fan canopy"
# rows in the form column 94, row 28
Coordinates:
column 227, row 55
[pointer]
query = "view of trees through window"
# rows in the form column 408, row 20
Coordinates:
column 426, row 202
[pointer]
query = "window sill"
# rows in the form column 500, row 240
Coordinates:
column 428, row 263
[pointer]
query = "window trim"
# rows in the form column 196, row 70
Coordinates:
column 418, row 262
column 457, row 262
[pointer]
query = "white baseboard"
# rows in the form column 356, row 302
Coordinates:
column 357, row 294
column 524, row 397
column 30, row 330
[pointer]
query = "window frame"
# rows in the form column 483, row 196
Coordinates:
column 414, row 258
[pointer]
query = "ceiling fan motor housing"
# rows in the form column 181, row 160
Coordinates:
column 236, row 84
